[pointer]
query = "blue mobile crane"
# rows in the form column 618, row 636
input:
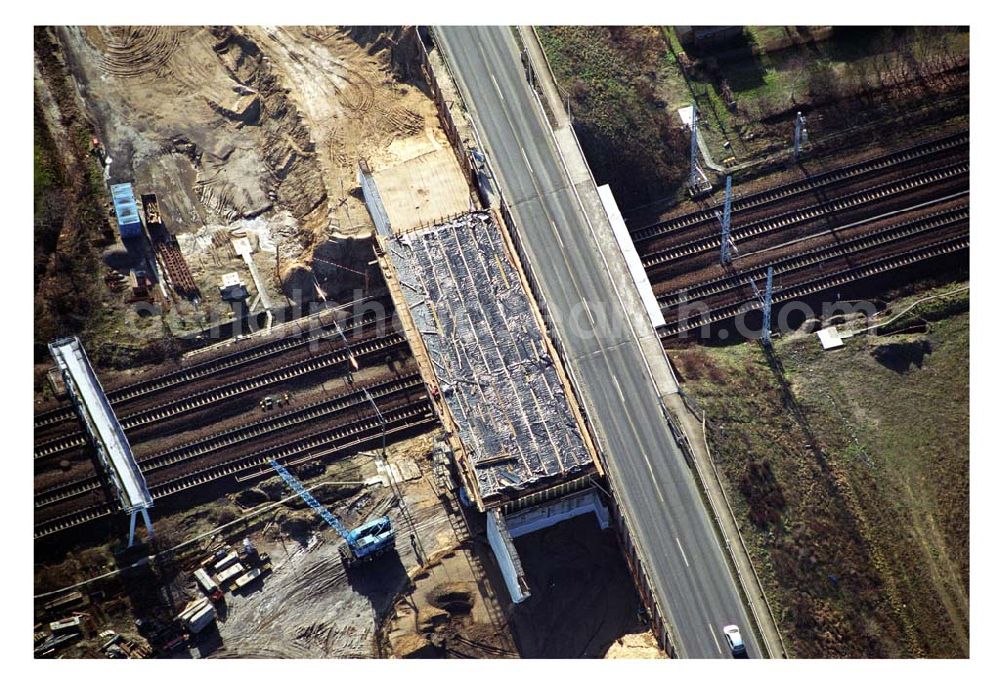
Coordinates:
column 367, row 542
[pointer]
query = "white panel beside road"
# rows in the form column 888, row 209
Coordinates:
column 112, row 443
column 635, row 266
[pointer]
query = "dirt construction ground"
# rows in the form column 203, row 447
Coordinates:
column 311, row 607
column 438, row 594
column 255, row 132
column 307, row 605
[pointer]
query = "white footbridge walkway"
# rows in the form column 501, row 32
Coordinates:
column 113, row 449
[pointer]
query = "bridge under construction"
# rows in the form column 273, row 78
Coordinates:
column 104, row 431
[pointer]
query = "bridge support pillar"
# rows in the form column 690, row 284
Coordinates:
column 510, row 562
column 131, row 525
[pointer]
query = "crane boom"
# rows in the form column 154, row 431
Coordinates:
column 313, row 503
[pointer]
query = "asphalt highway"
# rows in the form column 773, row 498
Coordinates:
column 653, row 484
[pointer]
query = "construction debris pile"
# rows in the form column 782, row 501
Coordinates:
column 497, row 378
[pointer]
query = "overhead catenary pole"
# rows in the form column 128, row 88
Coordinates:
column 726, row 213
column 381, row 420
column 694, row 146
column 765, row 332
column 801, row 134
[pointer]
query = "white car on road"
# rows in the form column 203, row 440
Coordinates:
column 736, row 646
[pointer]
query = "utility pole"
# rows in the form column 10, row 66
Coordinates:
column 726, row 213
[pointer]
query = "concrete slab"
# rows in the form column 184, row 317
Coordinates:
column 408, row 468
column 830, row 338
column 578, row 171
column 685, row 115
column 424, row 190
column 242, row 246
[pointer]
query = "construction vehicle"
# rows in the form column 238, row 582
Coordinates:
column 367, row 542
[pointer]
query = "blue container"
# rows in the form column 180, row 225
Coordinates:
column 126, row 211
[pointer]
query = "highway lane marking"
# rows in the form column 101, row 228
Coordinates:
column 558, row 236
column 632, row 330
column 649, row 466
column 635, row 431
column 493, row 78
column 527, row 164
column 618, row 387
column 681, row 548
column 711, row 631
column 575, row 282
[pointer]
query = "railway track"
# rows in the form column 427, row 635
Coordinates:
column 399, row 419
column 799, row 216
column 943, row 219
column 817, row 284
column 243, row 433
column 201, row 370
column 215, row 395
column 828, row 179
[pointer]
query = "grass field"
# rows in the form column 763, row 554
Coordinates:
column 857, row 86
column 612, row 77
column 850, row 475
column 840, row 76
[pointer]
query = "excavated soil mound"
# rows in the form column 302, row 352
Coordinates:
column 455, row 598
column 641, row 645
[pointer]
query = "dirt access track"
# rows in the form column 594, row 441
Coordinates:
column 256, row 128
